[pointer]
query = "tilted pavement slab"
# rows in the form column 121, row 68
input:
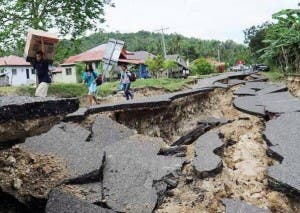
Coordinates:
column 63, row 202
column 69, row 142
column 249, row 105
column 272, row 88
column 238, row 206
column 132, row 166
column 105, row 131
column 283, row 135
column 22, row 108
column 206, row 162
column 244, row 91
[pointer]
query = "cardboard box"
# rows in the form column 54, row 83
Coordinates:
column 34, row 44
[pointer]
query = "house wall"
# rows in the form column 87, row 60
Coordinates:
column 57, row 78
column 68, row 75
column 19, row 77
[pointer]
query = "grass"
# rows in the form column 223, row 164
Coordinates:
column 109, row 88
column 274, row 76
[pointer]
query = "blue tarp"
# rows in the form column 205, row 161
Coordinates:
column 142, row 72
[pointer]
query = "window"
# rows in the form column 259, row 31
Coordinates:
column 14, row 71
column 27, row 73
column 68, row 71
column 33, row 71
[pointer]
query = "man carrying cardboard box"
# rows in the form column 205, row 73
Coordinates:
column 40, row 64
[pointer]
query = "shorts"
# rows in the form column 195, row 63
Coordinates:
column 42, row 90
column 93, row 89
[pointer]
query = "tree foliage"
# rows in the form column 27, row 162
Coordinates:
column 156, row 65
column 70, row 18
column 254, row 37
column 202, row 67
column 169, row 65
column 283, row 41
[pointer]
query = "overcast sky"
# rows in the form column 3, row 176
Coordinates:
column 206, row 19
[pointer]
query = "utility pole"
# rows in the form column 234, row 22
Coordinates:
column 163, row 39
column 219, row 58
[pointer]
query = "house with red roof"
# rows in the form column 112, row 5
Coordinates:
column 18, row 71
column 67, row 71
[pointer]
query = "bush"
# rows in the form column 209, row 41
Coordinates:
column 202, row 67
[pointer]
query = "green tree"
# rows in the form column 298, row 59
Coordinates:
column 255, row 36
column 202, row 67
column 283, row 41
column 69, row 17
column 169, row 64
column 155, row 65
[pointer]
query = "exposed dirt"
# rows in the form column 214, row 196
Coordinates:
column 244, row 157
column 18, row 130
column 293, row 84
column 28, row 176
column 244, row 167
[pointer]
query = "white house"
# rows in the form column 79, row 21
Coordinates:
column 19, row 71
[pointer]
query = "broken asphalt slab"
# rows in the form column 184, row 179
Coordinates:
column 206, row 162
column 25, row 108
column 132, row 166
column 203, row 126
column 62, row 202
column 268, row 98
column 283, row 136
column 105, row 131
column 68, row 142
column 249, row 105
column 238, row 206
column 215, row 82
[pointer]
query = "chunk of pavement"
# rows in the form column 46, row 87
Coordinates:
column 233, row 82
column 13, row 107
column 249, row 105
column 173, row 150
column 107, row 131
column 127, row 186
column 284, row 106
column 220, row 85
column 238, row 206
column 213, row 121
column 204, row 125
column 91, row 192
column 244, row 91
column 68, row 142
column 272, row 88
column 131, row 168
column 62, row 202
column 285, row 176
column 78, row 115
column 256, row 85
column 206, row 162
column 283, row 133
column 191, row 135
column 280, row 102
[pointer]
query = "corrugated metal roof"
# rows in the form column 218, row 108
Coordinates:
column 13, row 60
column 96, row 54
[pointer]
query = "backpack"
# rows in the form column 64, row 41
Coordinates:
column 132, row 77
column 98, row 79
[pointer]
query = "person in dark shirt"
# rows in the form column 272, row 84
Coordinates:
column 41, row 66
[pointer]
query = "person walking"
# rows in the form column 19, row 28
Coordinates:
column 125, row 81
column 41, row 65
column 89, row 79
